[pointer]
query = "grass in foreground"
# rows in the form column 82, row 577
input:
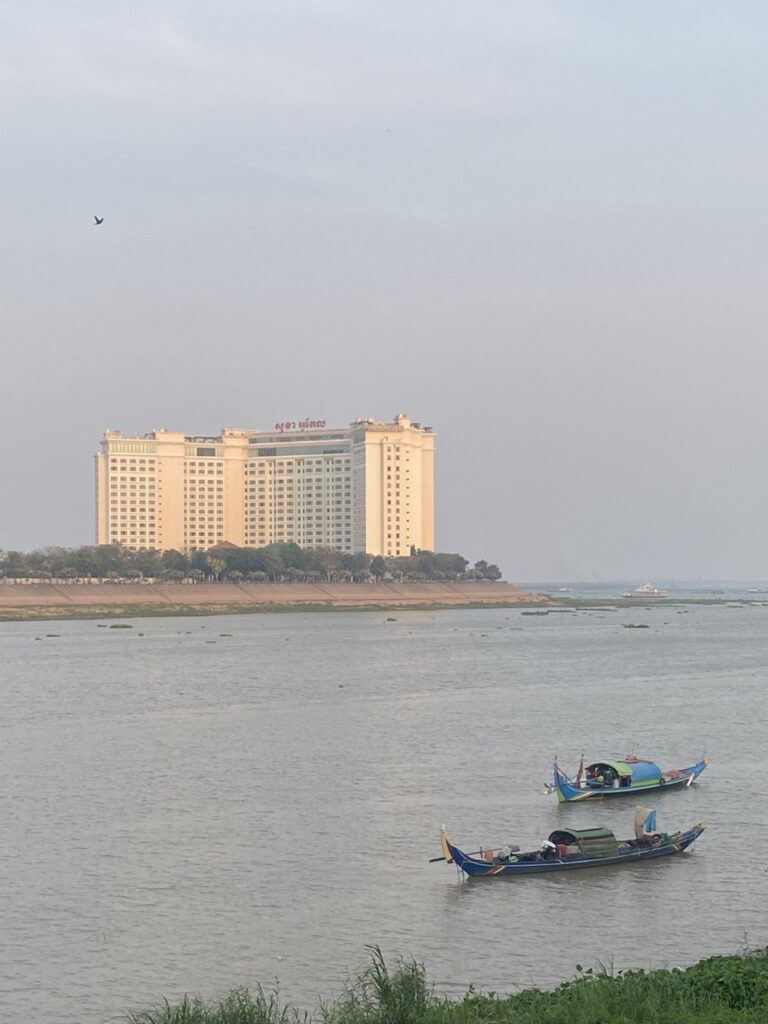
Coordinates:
column 719, row 990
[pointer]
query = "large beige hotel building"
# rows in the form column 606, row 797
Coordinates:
column 368, row 488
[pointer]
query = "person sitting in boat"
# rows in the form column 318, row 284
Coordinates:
column 548, row 850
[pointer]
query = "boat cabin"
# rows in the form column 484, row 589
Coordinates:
column 621, row 774
column 589, row 842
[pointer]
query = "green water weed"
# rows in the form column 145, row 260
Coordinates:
column 240, row 1006
column 383, row 996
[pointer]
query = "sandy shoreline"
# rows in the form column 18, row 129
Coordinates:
column 20, row 602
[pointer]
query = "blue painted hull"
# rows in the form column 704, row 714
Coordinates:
column 567, row 792
column 475, row 867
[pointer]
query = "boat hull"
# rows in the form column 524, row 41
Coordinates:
column 475, row 867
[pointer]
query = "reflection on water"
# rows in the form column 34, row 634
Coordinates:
column 184, row 810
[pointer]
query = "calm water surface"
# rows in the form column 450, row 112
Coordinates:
column 187, row 811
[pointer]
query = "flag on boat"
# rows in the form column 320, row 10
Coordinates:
column 580, row 772
column 641, row 816
column 645, row 822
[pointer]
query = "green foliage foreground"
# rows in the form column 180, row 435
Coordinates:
column 720, row 990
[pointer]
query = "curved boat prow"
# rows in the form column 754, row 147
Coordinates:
column 445, row 846
column 564, row 788
column 689, row 838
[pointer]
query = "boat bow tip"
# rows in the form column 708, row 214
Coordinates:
column 445, row 846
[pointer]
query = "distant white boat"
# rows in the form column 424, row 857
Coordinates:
column 565, row 590
column 646, row 590
column 755, row 590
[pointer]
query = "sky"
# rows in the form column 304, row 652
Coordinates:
column 539, row 227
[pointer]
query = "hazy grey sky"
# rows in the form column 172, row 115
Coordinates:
column 540, row 227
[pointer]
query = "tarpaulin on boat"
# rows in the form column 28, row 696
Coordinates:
column 644, row 771
column 632, row 773
column 592, row 842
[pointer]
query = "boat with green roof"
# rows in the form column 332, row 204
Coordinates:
column 570, row 848
column 620, row 778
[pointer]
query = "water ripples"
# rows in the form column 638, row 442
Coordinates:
column 182, row 816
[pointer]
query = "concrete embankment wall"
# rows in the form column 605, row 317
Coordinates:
column 81, row 600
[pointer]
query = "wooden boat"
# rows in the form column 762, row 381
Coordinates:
column 620, row 778
column 567, row 849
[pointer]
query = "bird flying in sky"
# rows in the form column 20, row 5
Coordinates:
column 99, row 220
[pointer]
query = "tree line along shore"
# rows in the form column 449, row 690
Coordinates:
column 108, row 581
column 718, row 990
column 275, row 563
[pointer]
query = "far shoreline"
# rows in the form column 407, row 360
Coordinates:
column 25, row 602
column 41, row 602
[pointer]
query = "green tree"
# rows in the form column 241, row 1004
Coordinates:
column 171, row 575
column 327, row 562
column 483, row 571
column 358, row 565
column 378, row 567
column 453, row 566
column 271, row 563
column 173, row 559
column 14, row 565
column 215, row 564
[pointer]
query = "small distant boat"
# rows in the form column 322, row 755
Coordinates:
column 565, row 590
column 570, row 848
column 620, row 778
column 755, row 590
column 646, row 590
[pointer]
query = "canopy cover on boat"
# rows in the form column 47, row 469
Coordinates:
column 592, row 842
column 637, row 771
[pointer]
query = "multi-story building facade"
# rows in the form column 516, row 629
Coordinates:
column 364, row 488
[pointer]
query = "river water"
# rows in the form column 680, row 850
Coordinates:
column 194, row 804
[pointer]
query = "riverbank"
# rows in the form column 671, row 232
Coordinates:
column 28, row 602
column 718, row 990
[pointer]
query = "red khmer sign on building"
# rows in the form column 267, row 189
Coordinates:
column 301, row 425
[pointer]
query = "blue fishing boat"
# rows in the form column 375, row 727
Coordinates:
column 620, row 778
column 567, row 849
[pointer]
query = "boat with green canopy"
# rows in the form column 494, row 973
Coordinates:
column 568, row 848
column 620, row 778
